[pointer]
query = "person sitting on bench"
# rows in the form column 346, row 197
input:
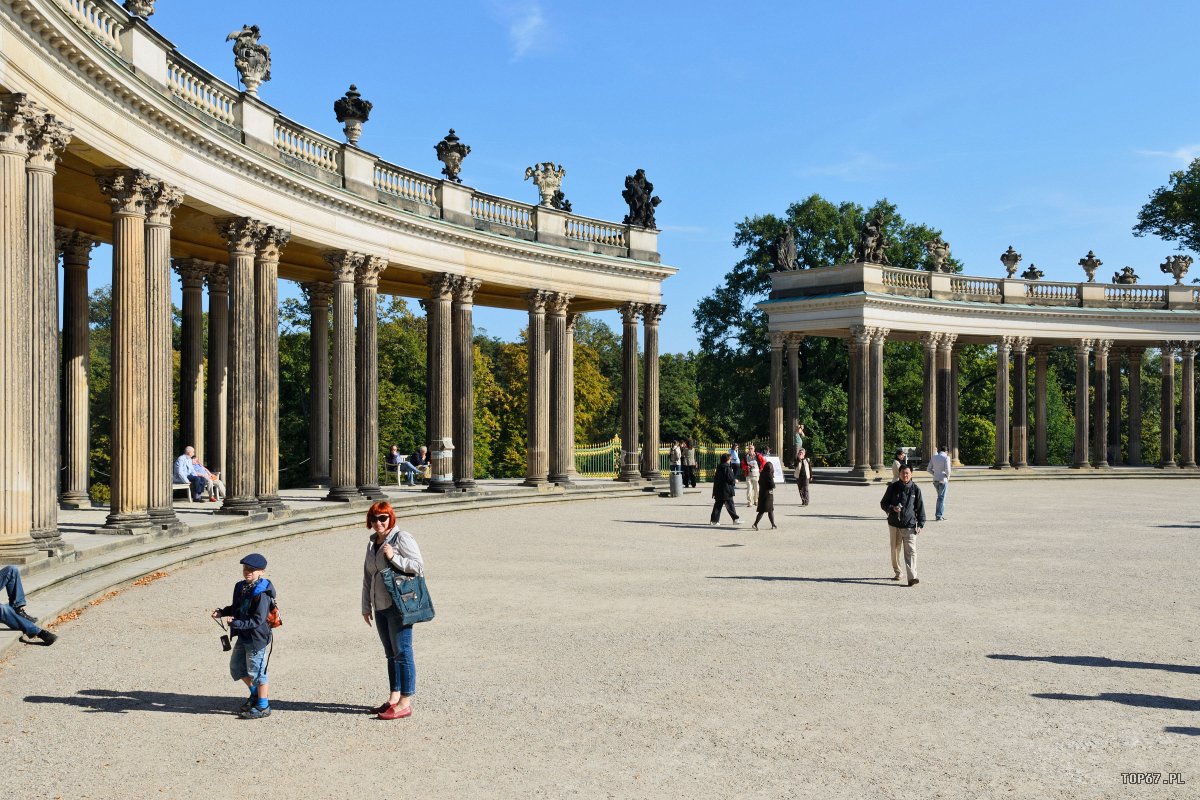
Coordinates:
column 185, row 472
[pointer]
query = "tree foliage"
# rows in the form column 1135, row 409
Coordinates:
column 1173, row 211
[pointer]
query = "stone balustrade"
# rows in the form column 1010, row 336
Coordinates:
column 394, row 180
column 595, row 231
column 103, row 19
column 307, row 146
column 499, row 211
column 201, row 91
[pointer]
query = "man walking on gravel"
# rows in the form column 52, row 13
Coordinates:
column 906, row 517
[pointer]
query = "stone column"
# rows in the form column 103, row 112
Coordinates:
column 851, row 402
column 17, row 119
column 862, row 405
column 572, row 318
column 1100, row 424
column 651, row 314
column 266, row 302
column 128, row 193
column 537, row 464
column 629, row 397
column 562, row 428
column 161, row 203
column 945, row 391
column 1041, row 356
column 191, row 359
column 1187, row 407
column 1003, row 351
column 1167, row 415
column 216, row 398
column 1083, row 347
column 954, row 406
column 342, row 483
column 243, row 236
column 367, row 369
column 776, row 421
column 76, row 357
column 878, row 337
column 792, row 398
column 1114, row 406
column 1020, row 420
column 441, row 382
column 46, row 141
column 426, row 306
column 319, row 295
column 1135, row 406
column 463, row 332
column 929, row 387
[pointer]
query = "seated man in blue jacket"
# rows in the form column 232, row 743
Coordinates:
column 185, row 472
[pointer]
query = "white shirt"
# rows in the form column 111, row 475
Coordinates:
column 939, row 467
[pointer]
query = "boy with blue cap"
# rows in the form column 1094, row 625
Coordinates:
column 247, row 619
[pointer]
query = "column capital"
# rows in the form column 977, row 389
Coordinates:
column 572, row 318
column 1083, row 347
column 930, row 339
column 879, row 335
column 465, row 291
column 1188, row 349
column 1102, row 347
column 218, row 278
column 537, row 300
column 652, row 313
column 48, row 137
column 441, row 285
column 192, row 271
column 18, row 119
column 946, row 340
column 242, row 234
column 1020, row 344
column 861, row 334
column 630, row 312
column 75, row 246
column 271, row 245
column 343, row 263
column 127, row 190
column 161, row 201
column 558, row 302
column 777, row 339
column 1169, row 347
column 368, row 272
column 793, row 341
column 318, row 293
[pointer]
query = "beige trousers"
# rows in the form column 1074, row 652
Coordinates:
column 752, row 488
column 904, row 539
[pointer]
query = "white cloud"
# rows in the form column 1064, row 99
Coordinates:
column 859, row 167
column 527, row 28
column 1184, row 155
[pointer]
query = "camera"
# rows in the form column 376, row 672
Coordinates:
column 225, row 645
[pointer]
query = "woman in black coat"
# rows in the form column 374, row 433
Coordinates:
column 766, row 496
column 724, row 483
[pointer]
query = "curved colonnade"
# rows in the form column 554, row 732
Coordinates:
column 108, row 134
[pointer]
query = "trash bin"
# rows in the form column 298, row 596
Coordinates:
column 676, row 483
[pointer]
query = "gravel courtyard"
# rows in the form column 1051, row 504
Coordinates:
column 625, row 649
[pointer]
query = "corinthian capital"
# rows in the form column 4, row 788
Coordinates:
column 1188, row 349
column 318, row 293
column 75, row 246
column 271, row 245
column 343, row 263
column 652, row 313
column 861, row 334
column 127, row 190
column 1102, row 347
column 369, row 271
column 1020, row 344
column 630, row 312
column 242, row 233
column 558, row 302
column 218, row 279
column 930, row 340
column 161, row 201
column 47, row 139
column 466, row 289
column 1004, row 344
column 192, row 271
column 18, row 118
column 441, row 285
column 537, row 300
column 1083, row 347
column 946, row 340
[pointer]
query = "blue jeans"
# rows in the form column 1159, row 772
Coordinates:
column 940, row 510
column 10, row 579
column 199, row 484
column 397, row 646
column 408, row 470
column 247, row 663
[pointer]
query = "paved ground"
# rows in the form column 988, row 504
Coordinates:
column 625, row 649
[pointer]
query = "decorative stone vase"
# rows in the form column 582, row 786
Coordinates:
column 1033, row 273
column 1010, row 259
column 1090, row 264
column 140, row 8
column 253, row 60
column 548, row 177
column 451, row 152
column 939, row 255
column 353, row 111
column 1126, row 276
column 1176, row 267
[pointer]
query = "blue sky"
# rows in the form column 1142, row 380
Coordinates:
column 1040, row 125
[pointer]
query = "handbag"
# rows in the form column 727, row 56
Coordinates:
column 410, row 596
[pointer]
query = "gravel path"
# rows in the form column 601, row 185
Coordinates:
column 626, row 649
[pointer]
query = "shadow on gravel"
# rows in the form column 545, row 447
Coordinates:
column 876, row 518
column 1183, row 730
column 1178, row 526
column 112, row 702
column 1100, row 661
column 856, row 581
column 1127, row 699
column 661, row 524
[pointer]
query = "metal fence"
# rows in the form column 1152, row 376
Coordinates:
column 603, row 459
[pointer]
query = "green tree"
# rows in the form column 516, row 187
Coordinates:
column 1173, row 211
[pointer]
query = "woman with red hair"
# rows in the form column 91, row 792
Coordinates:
column 390, row 547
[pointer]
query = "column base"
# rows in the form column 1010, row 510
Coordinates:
column 630, row 476
column 342, row 494
column 540, row 481
column 1001, row 466
column 164, row 518
column 1169, row 465
column 1081, row 465
column 319, row 482
column 1101, row 465
column 442, row 485
column 49, row 540
column 73, row 501
column 372, row 493
column 465, row 486
column 272, row 503
column 126, row 524
column 240, row 506
column 20, row 553
column 562, row 479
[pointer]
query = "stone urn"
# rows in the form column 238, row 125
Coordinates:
column 1176, row 267
column 1033, row 273
column 1010, row 259
column 451, row 152
column 140, row 8
column 1090, row 264
column 251, row 58
column 352, row 110
column 548, row 178
column 1126, row 276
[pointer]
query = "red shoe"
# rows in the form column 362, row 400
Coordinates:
column 212, row 499
column 380, row 709
column 395, row 712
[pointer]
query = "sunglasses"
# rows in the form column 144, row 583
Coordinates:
column 381, row 518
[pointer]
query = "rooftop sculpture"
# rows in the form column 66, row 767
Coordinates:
column 354, row 111
column 1010, row 259
column 872, row 242
column 783, row 254
column 253, row 60
column 939, row 255
column 451, row 152
column 548, row 178
column 639, row 194
column 1090, row 264
column 1176, row 267
column 1125, row 276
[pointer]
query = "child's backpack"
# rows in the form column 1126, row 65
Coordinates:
column 273, row 618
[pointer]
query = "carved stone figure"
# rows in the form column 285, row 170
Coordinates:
column 939, row 255
column 872, row 242
column 548, row 177
column 1010, row 259
column 784, row 251
column 639, row 194
column 253, row 60
column 451, row 152
column 560, row 201
column 1033, row 273
column 1090, row 264
column 140, row 8
column 1176, row 267
column 1125, row 276
column 354, row 111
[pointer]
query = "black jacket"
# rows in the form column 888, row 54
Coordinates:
column 251, row 604
column 912, row 507
column 724, row 482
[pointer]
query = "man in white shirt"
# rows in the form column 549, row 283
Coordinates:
column 939, row 468
column 184, row 473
